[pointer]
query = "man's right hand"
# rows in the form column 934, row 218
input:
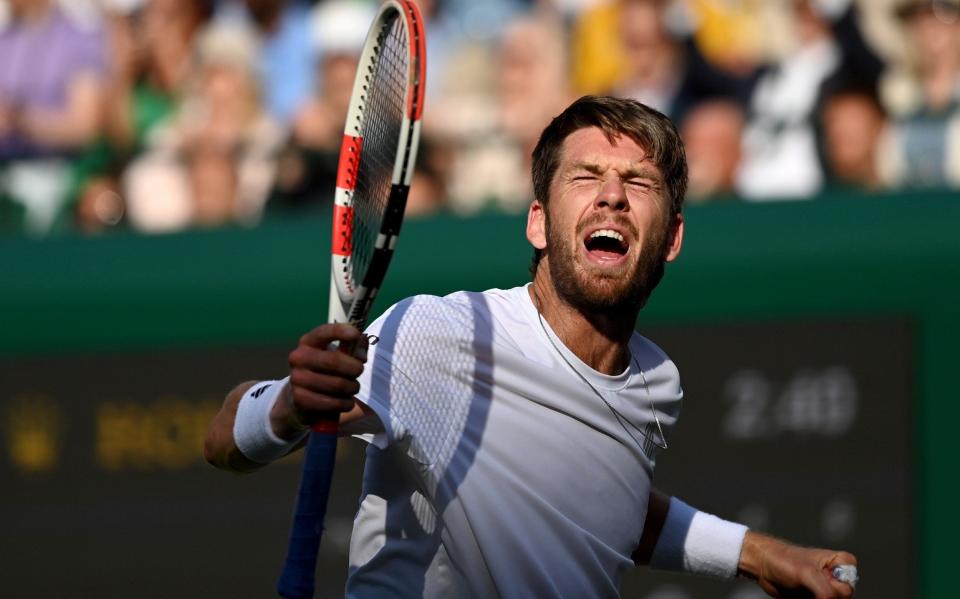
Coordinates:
column 323, row 378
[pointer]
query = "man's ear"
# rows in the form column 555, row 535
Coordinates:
column 537, row 225
column 676, row 238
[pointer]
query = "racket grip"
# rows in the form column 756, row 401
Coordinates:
column 297, row 579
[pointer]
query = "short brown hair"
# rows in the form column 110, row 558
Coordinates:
column 647, row 127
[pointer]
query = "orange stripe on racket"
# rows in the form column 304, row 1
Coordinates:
column 350, row 150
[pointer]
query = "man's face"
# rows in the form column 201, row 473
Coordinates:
column 608, row 226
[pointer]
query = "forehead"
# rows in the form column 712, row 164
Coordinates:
column 591, row 146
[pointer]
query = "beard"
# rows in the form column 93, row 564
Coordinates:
column 623, row 290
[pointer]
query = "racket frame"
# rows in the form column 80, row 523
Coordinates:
column 350, row 300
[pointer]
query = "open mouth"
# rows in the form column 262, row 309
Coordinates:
column 606, row 244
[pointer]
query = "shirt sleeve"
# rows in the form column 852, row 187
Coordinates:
column 420, row 375
column 88, row 52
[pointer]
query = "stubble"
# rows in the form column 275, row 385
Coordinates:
column 610, row 292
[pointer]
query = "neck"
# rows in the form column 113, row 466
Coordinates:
column 600, row 340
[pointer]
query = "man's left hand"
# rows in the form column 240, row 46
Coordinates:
column 785, row 570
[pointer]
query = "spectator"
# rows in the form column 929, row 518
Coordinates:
column 653, row 72
column 461, row 32
column 491, row 166
column 656, row 56
column 307, row 173
column 213, row 164
column 780, row 144
column 51, row 85
column 854, row 127
column 458, row 101
column 711, row 134
column 445, row 36
column 428, row 188
column 151, row 59
column 598, row 59
column 734, row 36
column 926, row 138
column 285, row 59
column 307, row 170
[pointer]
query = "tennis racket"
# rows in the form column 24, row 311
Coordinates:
column 377, row 156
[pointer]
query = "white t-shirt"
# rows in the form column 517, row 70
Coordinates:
column 500, row 471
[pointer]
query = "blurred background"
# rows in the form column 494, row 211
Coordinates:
column 166, row 177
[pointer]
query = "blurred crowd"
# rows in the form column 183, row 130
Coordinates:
column 164, row 115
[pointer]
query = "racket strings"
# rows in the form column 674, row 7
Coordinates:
column 380, row 122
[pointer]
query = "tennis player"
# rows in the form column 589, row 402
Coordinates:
column 513, row 433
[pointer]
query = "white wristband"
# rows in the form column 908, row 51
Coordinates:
column 252, row 431
column 697, row 542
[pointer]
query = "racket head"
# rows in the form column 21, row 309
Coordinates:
column 377, row 156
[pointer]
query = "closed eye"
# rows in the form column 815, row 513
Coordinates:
column 643, row 188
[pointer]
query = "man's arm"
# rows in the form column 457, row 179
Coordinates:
column 321, row 380
column 219, row 447
column 778, row 567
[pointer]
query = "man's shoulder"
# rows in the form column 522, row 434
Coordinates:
column 641, row 345
column 462, row 317
column 459, row 307
column 649, row 355
column 434, row 308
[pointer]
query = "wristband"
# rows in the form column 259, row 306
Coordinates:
column 697, row 542
column 252, row 432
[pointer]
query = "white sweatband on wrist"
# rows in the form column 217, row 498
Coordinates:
column 697, row 542
column 252, row 432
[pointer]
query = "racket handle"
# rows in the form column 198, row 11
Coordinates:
column 297, row 579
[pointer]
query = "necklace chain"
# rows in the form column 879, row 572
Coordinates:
column 662, row 444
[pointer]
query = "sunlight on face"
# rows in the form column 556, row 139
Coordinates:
column 606, row 223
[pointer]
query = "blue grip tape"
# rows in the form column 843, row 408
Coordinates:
column 297, row 579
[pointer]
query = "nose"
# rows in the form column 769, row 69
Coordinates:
column 613, row 194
